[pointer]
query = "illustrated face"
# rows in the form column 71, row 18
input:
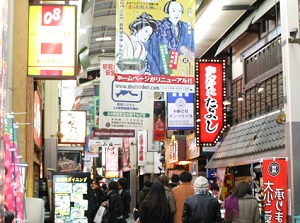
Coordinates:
column 144, row 33
column 175, row 12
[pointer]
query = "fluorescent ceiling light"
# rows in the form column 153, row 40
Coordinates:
column 106, row 38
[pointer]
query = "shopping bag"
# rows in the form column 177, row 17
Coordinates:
column 99, row 214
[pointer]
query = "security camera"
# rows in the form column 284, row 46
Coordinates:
column 293, row 32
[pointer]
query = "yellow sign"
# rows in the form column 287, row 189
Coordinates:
column 52, row 41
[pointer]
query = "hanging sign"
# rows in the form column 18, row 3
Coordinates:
column 52, row 41
column 275, row 190
column 210, row 112
column 151, row 54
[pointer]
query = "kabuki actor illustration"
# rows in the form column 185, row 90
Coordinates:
column 155, row 38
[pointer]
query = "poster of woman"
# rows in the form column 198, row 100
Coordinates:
column 168, row 48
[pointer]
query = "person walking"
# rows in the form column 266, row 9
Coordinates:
column 174, row 181
column 155, row 207
column 214, row 190
column 114, row 205
column 241, row 206
column 125, row 196
column 144, row 192
column 96, row 198
column 181, row 192
column 202, row 207
column 164, row 179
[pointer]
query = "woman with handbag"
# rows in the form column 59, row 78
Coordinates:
column 113, row 204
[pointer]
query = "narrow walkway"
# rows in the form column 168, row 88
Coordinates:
column 130, row 219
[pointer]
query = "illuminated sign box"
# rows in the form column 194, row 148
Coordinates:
column 210, row 85
column 52, row 41
column 73, row 127
column 177, row 149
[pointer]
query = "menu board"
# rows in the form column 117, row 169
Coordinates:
column 70, row 197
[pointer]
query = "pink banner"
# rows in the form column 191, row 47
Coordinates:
column 13, row 189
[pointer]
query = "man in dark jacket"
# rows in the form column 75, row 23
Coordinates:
column 174, row 181
column 96, row 198
column 201, row 207
column 126, row 198
column 144, row 192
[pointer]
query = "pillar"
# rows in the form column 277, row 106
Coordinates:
column 291, row 60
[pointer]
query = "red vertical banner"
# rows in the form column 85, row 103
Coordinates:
column 159, row 128
column 275, row 190
column 209, row 101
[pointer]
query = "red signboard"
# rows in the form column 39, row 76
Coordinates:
column 37, row 119
column 275, row 190
column 210, row 90
column 159, row 128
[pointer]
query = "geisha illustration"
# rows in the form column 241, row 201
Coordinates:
column 175, row 36
column 133, row 57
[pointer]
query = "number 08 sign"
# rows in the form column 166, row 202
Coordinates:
column 52, row 41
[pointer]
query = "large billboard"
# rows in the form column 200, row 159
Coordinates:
column 155, row 45
column 123, row 109
column 210, row 93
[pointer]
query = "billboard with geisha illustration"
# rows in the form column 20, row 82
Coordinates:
column 155, row 45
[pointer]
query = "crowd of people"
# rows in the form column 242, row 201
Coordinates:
column 178, row 200
column 115, row 199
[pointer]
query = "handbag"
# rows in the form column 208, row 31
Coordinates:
column 100, row 213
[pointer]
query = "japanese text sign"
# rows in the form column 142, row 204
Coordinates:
column 209, row 101
column 275, row 190
column 52, row 41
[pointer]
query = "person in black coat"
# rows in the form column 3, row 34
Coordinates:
column 201, row 207
column 114, row 205
column 96, row 198
column 126, row 197
column 144, row 192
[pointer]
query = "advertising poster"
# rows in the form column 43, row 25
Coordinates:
column 192, row 151
column 112, row 161
column 275, row 173
column 70, row 197
column 96, row 111
column 73, row 127
column 142, row 147
column 123, row 109
column 159, row 128
column 209, row 100
column 126, row 142
column 37, row 118
column 52, row 41
column 180, row 111
column 155, row 45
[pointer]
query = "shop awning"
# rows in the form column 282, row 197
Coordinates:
column 241, row 28
column 235, row 34
column 251, row 141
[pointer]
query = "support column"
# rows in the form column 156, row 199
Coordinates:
column 51, row 118
column 133, row 172
column 291, row 60
column 22, row 96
